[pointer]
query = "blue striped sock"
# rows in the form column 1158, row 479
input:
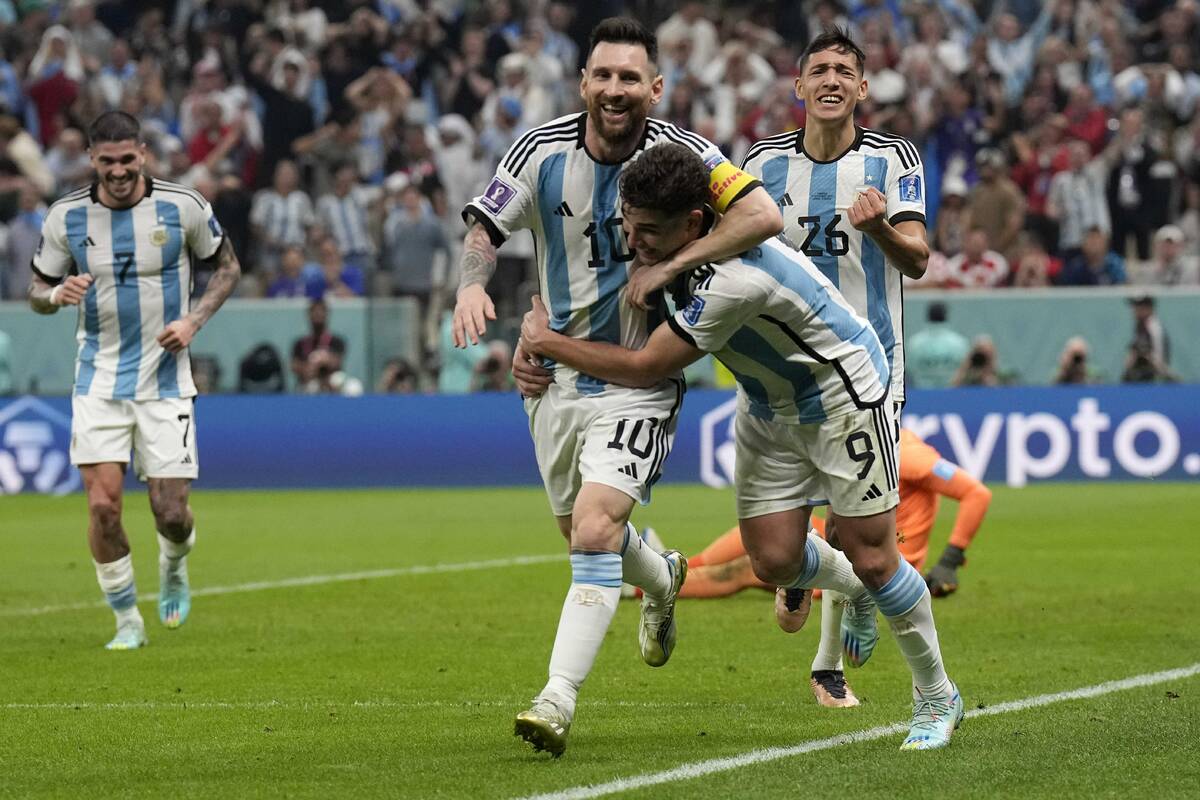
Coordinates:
column 596, row 568
column 900, row 594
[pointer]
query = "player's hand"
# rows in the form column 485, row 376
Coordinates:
column 531, row 378
column 72, row 290
column 535, row 325
column 869, row 211
column 645, row 280
column 942, row 580
column 471, row 313
column 178, row 335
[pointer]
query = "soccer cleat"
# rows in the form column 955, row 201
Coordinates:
column 174, row 597
column 831, row 690
column 791, row 608
column 933, row 721
column 130, row 636
column 545, row 726
column 657, row 632
column 859, row 630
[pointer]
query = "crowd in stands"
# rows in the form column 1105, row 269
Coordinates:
column 338, row 141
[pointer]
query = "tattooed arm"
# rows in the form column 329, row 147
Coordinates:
column 45, row 298
column 474, row 307
column 178, row 334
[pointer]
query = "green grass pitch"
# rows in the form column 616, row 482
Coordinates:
column 405, row 684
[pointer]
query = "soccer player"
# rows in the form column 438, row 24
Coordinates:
column 599, row 447
column 723, row 568
column 813, row 424
column 122, row 250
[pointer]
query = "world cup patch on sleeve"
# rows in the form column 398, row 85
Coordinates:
column 214, row 226
column 910, row 188
column 715, row 160
column 943, row 469
column 497, row 195
column 691, row 314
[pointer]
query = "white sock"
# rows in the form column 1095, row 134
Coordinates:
column 827, row 568
column 116, row 581
column 643, row 567
column 829, row 650
column 171, row 555
column 587, row 612
column 905, row 601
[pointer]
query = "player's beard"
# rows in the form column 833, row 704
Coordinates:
column 622, row 134
column 128, row 185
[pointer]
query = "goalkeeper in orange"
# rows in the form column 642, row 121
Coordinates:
column 723, row 568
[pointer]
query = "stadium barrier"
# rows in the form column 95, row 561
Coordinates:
column 1006, row 435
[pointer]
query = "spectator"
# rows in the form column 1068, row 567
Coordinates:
column 1137, row 197
column 291, row 281
column 979, row 367
column 417, row 255
column 1012, row 53
column 471, row 79
column 24, row 234
column 1039, row 159
column 1150, row 350
column 959, row 132
column 1076, row 199
column 689, row 23
column 493, row 372
column 934, row 353
column 25, row 153
column 1035, row 267
column 333, row 277
column 995, row 204
column 1170, row 265
column 281, row 216
column 515, row 83
column 286, row 116
column 977, row 266
column 319, row 355
column 457, row 363
column 68, row 161
column 7, row 385
column 54, row 76
column 398, row 377
column 1086, row 119
column 1073, row 363
column 347, row 212
column 261, row 371
column 1094, row 264
column 951, row 225
column 380, row 97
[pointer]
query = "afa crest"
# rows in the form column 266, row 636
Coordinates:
column 158, row 237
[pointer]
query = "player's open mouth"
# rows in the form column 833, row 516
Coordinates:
column 614, row 113
column 829, row 99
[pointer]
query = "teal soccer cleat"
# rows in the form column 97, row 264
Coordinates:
column 859, row 630
column 130, row 636
column 933, row 722
column 174, row 598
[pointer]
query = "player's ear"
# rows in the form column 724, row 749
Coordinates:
column 656, row 90
column 799, row 88
column 583, row 83
column 862, row 89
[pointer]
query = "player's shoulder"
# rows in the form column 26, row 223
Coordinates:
column 184, row 196
column 79, row 196
column 542, row 140
column 779, row 144
column 889, row 145
column 659, row 130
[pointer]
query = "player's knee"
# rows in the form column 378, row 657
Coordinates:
column 105, row 512
column 874, row 566
column 773, row 568
column 172, row 518
column 596, row 531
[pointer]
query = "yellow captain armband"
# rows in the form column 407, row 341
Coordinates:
column 726, row 182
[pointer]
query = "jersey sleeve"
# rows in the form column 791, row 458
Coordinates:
column 726, row 183
column 202, row 232
column 52, row 260
column 906, row 187
column 720, row 304
column 505, row 204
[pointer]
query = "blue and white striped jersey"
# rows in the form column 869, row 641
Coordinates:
column 347, row 219
column 141, row 262
column 798, row 350
column 549, row 184
column 814, row 195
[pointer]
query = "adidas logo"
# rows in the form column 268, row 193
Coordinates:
column 186, row 460
column 786, row 200
column 872, row 494
column 87, row 242
column 564, row 210
column 630, row 470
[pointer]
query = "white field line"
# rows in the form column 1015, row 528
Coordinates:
column 308, row 580
column 316, row 704
column 698, row 769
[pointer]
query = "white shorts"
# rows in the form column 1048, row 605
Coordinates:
column 619, row 438
column 848, row 462
column 161, row 434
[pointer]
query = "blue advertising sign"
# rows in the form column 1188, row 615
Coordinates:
column 1005, row 435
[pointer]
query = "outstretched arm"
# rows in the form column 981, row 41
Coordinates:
column 664, row 354
column 179, row 334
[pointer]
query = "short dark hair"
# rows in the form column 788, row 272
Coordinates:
column 114, row 126
column 834, row 39
column 937, row 311
column 624, row 30
column 669, row 178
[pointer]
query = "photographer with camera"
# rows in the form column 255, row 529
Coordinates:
column 1073, row 363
